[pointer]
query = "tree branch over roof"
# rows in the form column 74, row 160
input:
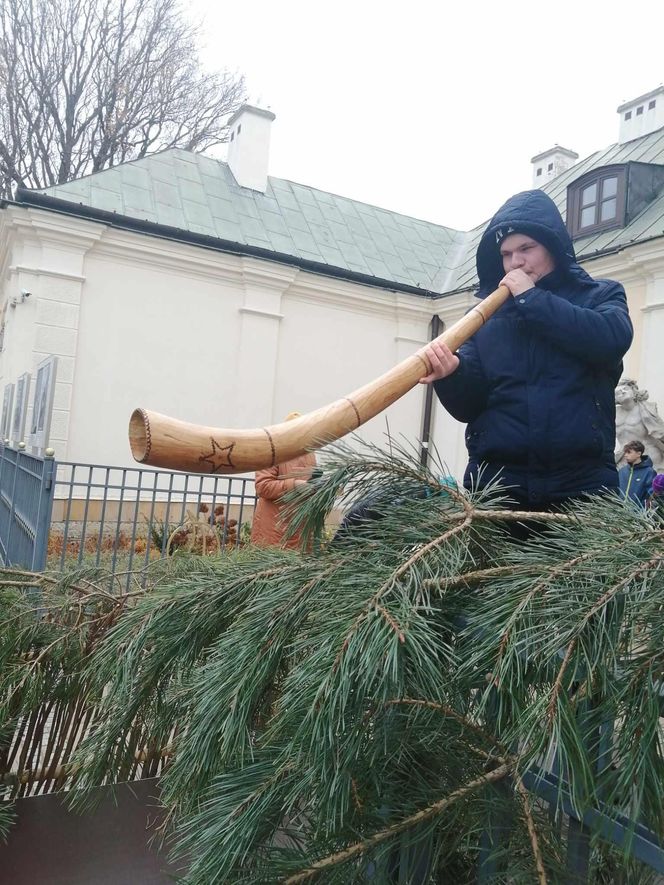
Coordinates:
column 87, row 86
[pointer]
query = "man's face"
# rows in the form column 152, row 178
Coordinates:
column 632, row 456
column 520, row 252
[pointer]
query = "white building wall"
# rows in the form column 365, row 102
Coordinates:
column 641, row 271
column 150, row 335
column 44, row 255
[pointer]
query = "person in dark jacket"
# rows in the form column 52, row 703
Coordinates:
column 535, row 384
column 637, row 475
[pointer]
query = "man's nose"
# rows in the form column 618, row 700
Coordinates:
column 516, row 261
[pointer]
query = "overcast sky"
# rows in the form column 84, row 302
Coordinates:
column 430, row 112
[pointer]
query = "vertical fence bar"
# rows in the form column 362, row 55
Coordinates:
column 44, row 513
column 139, row 484
column 84, row 526
column 12, row 509
column 4, row 522
column 577, row 862
column 148, row 538
column 240, row 512
column 183, row 512
column 102, row 516
column 65, row 535
column 167, row 516
column 119, row 520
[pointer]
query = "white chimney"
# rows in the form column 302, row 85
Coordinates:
column 551, row 163
column 249, row 146
column 641, row 115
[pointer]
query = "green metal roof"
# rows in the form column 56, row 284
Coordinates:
column 198, row 195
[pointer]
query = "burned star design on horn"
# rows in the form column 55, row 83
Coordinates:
column 219, row 457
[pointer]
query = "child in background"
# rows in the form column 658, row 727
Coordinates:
column 637, row 476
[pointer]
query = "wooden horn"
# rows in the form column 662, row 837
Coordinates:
column 177, row 445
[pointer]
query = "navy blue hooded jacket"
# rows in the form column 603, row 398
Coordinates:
column 636, row 480
column 536, row 383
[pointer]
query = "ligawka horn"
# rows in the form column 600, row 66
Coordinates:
column 177, row 445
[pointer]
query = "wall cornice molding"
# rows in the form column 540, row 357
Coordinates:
column 632, row 264
column 356, row 298
column 46, row 272
column 178, row 259
column 75, row 234
column 262, row 313
column 266, row 275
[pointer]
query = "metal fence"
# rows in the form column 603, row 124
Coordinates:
column 59, row 513
column 122, row 518
column 26, row 500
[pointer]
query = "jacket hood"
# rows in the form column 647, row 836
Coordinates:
column 644, row 464
column 535, row 214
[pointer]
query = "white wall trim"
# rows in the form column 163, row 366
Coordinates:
column 46, row 272
column 410, row 340
column 262, row 313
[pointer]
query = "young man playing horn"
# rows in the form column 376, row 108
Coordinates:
column 535, row 385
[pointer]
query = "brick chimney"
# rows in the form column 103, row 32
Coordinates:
column 249, row 146
column 551, row 163
column 641, row 115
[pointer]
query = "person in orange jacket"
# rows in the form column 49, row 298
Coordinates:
column 269, row 527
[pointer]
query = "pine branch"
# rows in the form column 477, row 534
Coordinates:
column 392, row 580
column 654, row 562
column 556, row 571
column 467, row 579
column 452, row 714
column 360, row 848
column 532, row 832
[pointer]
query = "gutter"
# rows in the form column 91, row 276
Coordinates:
column 36, row 200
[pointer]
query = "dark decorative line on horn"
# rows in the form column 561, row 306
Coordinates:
column 274, row 451
column 477, row 310
column 148, row 435
column 354, row 407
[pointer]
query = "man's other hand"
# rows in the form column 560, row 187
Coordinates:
column 441, row 359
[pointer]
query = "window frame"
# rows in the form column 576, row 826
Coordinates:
column 574, row 198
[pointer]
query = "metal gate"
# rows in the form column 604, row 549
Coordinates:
column 26, row 502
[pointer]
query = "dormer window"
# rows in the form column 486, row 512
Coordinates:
column 612, row 196
column 596, row 201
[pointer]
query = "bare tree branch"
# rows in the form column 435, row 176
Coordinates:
column 88, row 84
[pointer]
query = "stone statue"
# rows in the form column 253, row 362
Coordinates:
column 637, row 418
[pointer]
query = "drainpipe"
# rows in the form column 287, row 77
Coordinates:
column 435, row 328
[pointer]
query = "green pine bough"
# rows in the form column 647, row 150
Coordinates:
column 361, row 712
